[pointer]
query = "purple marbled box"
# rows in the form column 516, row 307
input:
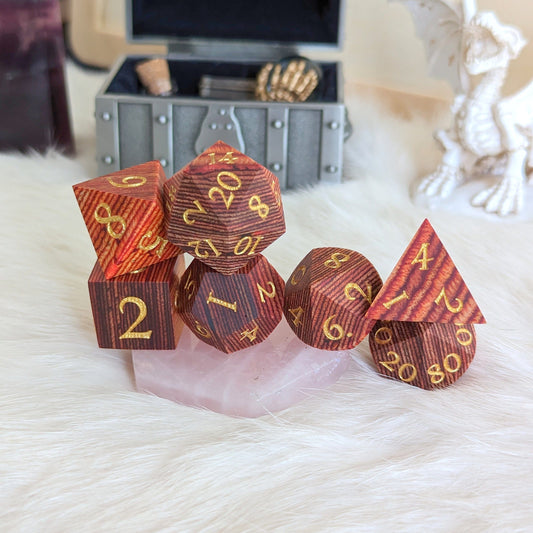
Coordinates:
column 33, row 101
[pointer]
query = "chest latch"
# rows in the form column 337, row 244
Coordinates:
column 220, row 124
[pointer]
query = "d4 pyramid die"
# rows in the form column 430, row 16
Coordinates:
column 124, row 214
column 223, row 208
column 425, row 286
column 424, row 334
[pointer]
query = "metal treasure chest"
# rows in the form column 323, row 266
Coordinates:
column 216, row 51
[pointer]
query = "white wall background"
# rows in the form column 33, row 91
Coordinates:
column 381, row 47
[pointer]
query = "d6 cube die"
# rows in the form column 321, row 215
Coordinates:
column 124, row 214
column 136, row 310
column 223, row 208
column 327, row 296
column 231, row 312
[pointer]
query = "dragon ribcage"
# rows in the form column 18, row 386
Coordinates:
column 477, row 130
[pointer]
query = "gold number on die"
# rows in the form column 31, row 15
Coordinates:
column 129, row 333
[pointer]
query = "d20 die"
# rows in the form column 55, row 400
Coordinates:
column 137, row 310
column 223, row 208
column 327, row 297
column 231, row 312
column 124, row 214
column 428, row 355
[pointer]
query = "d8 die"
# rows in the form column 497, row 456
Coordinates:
column 231, row 312
column 428, row 355
column 124, row 214
column 137, row 310
column 327, row 296
column 223, row 208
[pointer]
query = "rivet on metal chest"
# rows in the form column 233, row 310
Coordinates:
column 302, row 143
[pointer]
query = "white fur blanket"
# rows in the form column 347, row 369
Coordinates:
column 81, row 450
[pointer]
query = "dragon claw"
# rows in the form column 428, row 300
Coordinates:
column 442, row 182
column 504, row 198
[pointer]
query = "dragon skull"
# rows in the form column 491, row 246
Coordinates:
column 489, row 44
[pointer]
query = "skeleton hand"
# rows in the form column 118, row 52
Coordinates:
column 504, row 198
column 442, row 182
column 290, row 82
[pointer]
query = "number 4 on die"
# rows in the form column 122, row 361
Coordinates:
column 424, row 334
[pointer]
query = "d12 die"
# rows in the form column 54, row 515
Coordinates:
column 137, row 310
column 428, row 355
column 124, row 214
column 223, row 208
column 231, row 312
column 327, row 296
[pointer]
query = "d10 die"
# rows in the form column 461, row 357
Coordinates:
column 327, row 296
column 124, row 214
column 231, row 312
column 223, row 208
column 428, row 355
column 137, row 310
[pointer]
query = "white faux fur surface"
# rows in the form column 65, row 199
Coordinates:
column 81, row 450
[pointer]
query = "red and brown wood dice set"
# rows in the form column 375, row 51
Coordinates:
column 424, row 334
column 224, row 209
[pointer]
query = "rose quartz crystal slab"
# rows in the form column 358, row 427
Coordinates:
column 262, row 379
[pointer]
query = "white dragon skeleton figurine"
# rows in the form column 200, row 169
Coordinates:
column 489, row 133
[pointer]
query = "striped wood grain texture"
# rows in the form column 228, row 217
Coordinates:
column 328, row 295
column 425, row 286
column 223, row 208
column 124, row 215
column 231, row 312
column 423, row 354
column 136, row 311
